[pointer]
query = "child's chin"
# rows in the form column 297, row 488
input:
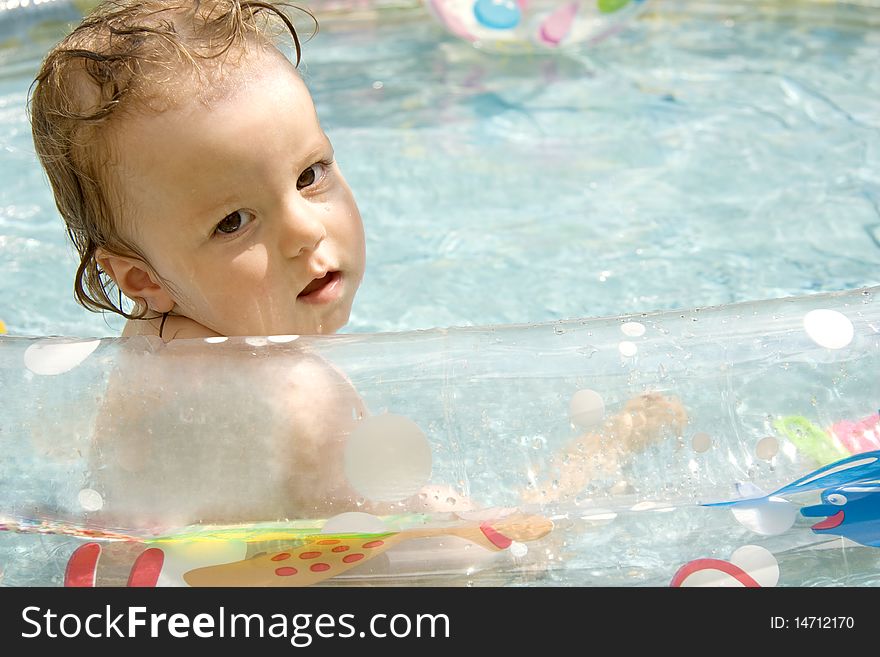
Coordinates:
column 337, row 320
column 327, row 327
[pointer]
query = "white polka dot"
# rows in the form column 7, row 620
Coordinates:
column 354, row 522
column 758, row 562
column 216, row 339
column 767, row 448
column 387, row 458
column 701, row 442
column 90, row 500
column 256, row 342
column 51, row 357
column 766, row 517
column 829, row 328
column 280, row 339
column 586, row 408
column 519, row 549
column 627, row 349
column 633, row 329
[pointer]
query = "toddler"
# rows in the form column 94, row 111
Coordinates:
column 188, row 162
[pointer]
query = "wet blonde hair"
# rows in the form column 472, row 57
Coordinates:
column 120, row 59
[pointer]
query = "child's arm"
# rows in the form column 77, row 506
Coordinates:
column 317, row 408
column 184, row 436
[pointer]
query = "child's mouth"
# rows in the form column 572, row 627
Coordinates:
column 322, row 290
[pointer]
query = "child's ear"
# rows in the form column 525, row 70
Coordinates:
column 136, row 280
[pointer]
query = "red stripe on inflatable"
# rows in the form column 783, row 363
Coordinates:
column 146, row 568
column 713, row 564
column 497, row 539
column 82, row 566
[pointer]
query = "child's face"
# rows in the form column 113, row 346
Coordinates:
column 239, row 208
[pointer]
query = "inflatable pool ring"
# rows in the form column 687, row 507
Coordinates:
column 648, row 440
column 511, row 25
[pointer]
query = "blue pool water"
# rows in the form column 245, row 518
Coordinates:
column 715, row 152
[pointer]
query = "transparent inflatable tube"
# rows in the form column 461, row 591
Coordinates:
column 582, row 452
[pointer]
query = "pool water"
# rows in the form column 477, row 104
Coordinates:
column 714, row 152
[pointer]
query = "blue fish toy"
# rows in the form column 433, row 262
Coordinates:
column 850, row 511
column 850, row 498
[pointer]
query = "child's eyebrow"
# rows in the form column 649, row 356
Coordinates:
column 209, row 214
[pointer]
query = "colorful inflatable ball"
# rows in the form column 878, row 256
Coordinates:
column 524, row 25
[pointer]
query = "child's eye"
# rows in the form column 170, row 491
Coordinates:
column 311, row 175
column 234, row 222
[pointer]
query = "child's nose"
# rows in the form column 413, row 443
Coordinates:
column 302, row 229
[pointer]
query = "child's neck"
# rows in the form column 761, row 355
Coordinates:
column 170, row 327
